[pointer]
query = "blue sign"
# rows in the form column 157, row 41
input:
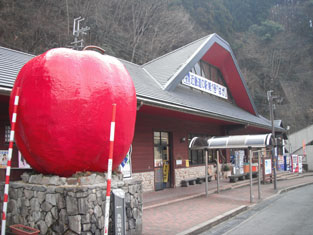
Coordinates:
column 203, row 84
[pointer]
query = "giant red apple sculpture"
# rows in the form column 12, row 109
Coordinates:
column 65, row 110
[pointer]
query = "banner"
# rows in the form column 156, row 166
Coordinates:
column 165, row 171
column 3, row 158
column 126, row 165
column 22, row 162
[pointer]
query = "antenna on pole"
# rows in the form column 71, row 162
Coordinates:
column 77, row 32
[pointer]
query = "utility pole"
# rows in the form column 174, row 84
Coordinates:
column 270, row 101
column 77, row 31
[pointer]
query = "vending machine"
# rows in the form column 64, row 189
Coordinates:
column 295, row 163
column 237, row 160
column 280, row 163
column 287, row 163
column 300, row 164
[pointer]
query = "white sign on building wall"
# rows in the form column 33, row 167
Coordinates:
column 126, row 165
column 203, row 84
column 268, row 166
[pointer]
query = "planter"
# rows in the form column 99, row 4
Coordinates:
column 21, row 229
column 226, row 174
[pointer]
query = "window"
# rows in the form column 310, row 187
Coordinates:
column 197, row 157
column 208, row 71
column 161, row 148
column 7, row 133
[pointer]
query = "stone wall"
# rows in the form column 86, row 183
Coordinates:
column 186, row 173
column 147, row 179
column 58, row 205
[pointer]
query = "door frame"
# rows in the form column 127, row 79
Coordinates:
column 170, row 152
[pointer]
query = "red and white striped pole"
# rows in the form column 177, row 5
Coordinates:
column 8, row 169
column 110, row 162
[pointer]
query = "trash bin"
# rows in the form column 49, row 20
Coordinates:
column 246, row 168
column 254, row 167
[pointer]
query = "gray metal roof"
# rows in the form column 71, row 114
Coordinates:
column 164, row 67
column 182, row 98
column 11, row 62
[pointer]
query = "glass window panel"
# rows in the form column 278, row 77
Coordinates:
column 156, row 138
column 157, row 157
column 165, row 153
column 197, row 69
column 197, row 157
column 164, row 138
column 194, row 156
column 214, row 74
column 201, row 158
column 7, row 134
column 206, row 70
column 210, row 158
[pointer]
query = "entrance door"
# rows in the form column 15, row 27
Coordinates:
column 162, row 160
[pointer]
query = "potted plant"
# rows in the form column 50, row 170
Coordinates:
column 21, row 229
column 226, row 171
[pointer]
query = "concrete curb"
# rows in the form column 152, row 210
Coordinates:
column 293, row 187
column 213, row 222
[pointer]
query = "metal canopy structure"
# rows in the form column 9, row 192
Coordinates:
column 231, row 142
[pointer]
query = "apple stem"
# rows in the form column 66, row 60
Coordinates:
column 94, row 47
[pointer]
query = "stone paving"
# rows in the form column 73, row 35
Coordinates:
column 183, row 213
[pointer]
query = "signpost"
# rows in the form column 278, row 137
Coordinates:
column 218, row 171
column 110, row 162
column 206, row 173
column 270, row 102
column 259, row 174
column 250, row 168
column 8, row 169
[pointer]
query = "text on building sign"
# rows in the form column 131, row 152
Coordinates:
column 203, row 84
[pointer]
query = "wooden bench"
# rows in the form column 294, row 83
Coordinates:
column 203, row 179
column 254, row 174
column 193, row 181
column 235, row 178
column 186, row 182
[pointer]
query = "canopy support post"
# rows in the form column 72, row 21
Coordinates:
column 206, row 174
column 259, row 174
column 217, row 170
column 250, row 168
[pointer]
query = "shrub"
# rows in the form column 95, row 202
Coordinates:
column 226, row 168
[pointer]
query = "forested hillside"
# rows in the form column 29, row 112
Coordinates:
column 272, row 39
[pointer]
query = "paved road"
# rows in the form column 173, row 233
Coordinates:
column 289, row 213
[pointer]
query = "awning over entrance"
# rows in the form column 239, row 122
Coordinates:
column 231, row 142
